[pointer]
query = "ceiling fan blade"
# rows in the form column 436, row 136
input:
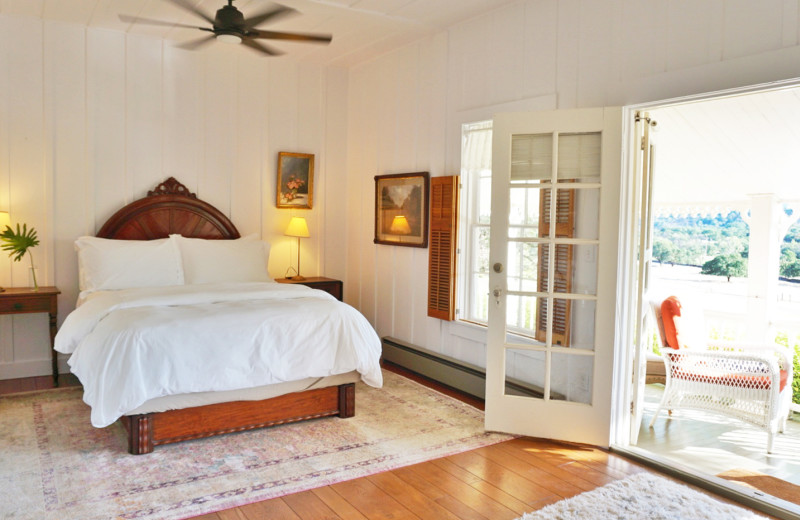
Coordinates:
column 186, row 6
column 149, row 21
column 257, row 19
column 260, row 47
column 275, row 35
column 196, row 44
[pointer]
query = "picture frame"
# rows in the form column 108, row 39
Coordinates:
column 295, row 188
column 401, row 209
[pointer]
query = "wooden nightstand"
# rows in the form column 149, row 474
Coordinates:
column 22, row 300
column 329, row 285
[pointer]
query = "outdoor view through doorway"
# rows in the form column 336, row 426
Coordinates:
column 726, row 243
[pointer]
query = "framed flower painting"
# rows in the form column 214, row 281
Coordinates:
column 295, row 180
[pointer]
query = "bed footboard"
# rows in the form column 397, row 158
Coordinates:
column 145, row 431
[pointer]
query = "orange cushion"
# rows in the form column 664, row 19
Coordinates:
column 671, row 309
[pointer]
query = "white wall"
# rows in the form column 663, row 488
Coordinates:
column 92, row 119
column 406, row 107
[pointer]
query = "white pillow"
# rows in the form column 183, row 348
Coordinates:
column 105, row 264
column 218, row 261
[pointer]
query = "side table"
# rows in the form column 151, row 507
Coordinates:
column 329, row 285
column 22, row 300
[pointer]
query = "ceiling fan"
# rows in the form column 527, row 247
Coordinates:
column 230, row 26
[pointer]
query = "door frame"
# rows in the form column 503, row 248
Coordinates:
column 622, row 385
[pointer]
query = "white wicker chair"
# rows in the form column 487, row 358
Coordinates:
column 738, row 380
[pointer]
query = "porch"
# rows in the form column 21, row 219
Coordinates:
column 716, row 444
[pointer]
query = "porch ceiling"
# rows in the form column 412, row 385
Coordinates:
column 713, row 154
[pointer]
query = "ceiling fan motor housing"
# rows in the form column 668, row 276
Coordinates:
column 229, row 20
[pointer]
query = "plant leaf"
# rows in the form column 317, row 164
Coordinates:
column 18, row 243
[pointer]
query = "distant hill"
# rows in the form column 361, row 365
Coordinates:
column 695, row 240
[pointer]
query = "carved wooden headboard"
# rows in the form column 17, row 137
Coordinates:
column 168, row 209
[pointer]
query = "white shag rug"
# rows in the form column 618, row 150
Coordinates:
column 643, row 495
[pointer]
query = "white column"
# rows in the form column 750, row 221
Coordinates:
column 763, row 265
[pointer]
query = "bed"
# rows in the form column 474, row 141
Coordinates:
column 196, row 347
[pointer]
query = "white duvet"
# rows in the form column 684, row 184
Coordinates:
column 133, row 345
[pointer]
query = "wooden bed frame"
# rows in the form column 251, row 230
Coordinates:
column 171, row 209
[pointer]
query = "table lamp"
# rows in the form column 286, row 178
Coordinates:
column 297, row 228
column 5, row 220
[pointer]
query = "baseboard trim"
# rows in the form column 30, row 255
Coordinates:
column 454, row 373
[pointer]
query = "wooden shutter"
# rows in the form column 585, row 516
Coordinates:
column 562, row 283
column 442, row 248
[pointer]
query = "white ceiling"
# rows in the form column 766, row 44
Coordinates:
column 714, row 153
column 361, row 29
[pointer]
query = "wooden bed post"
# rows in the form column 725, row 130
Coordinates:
column 347, row 400
column 140, row 433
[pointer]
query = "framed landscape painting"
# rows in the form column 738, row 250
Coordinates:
column 295, row 180
column 401, row 209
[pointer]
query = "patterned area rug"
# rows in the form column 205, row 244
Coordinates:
column 55, row 465
column 643, row 495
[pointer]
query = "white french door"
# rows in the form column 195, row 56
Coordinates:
column 638, row 259
column 554, row 237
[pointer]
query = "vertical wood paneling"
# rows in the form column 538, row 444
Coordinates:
column 28, row 191
column 65, row 153
column 310, row 116
column 144, row 108
column 283, row 97
column 105, row 98
column 91, row 119
column 6, row 332
column 752, row 28
column 151, row 110
column 334, row 214
column 183, row 115
column 251, row 108
column 541, row 32
column 220, row 128
column 695, row 34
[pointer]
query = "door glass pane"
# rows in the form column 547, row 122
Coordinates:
column 571, row 378
column 579, row 157
column 523, row 207
column 584, row 269
column 521, row 314
column 484, row 200
column 525, row 373
column 531, row 158
column 523, row 261
column 582, row 322
column 577, row 213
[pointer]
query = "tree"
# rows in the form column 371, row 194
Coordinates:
column 789, row 264
column 725, row 265
column 664, row 251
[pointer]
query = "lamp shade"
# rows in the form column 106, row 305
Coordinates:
column 400, row 225
column 5, row 220
column 297, row 228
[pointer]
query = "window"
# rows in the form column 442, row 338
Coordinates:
column 476, row 179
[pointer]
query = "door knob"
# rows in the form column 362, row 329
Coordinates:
column 497, row 267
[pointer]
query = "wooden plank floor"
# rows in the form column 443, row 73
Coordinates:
column 497, row 482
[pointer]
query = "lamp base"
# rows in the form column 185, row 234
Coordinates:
column 296, row 278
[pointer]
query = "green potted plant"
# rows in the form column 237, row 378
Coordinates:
column 17, row 244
